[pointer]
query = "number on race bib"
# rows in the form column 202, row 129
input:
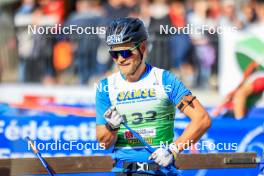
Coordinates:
column 139, row 118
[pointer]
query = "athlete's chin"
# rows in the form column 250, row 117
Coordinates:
column 126, row 70
column 126, row 73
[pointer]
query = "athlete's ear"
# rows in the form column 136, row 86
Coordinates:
column 142, row 47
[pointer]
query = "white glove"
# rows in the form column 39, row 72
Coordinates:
column 163, row 156
column 113, row 118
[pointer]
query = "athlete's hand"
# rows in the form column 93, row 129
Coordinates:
column 113, row 118
column 163, row 156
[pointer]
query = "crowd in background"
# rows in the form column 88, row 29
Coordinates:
column 81, row 59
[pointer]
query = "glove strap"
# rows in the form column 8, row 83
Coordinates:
column 110, row 128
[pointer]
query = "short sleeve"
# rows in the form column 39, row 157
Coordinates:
column 102, row 102
column 174, row 88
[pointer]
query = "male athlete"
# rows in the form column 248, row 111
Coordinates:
column 244, row 97
column 254, row 87
column 145, row 97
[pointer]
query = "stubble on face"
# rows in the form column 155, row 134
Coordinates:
column 127, row 66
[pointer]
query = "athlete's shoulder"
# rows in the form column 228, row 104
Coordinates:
column 157, row 70
column 154, row 68
column 174, row 87
column 166, row 76
column 162, row 71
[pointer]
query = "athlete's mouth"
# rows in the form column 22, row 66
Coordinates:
column 124, row 64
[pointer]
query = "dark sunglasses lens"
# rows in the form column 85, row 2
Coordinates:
column 114, row 54
column 125, row 53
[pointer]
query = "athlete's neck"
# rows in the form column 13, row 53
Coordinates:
column 136, row 76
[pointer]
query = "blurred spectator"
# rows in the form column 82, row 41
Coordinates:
column 180, row 42
column 52, row 11
column 247, row 15
column 27, row 7
column 260, row 10
column 51, row 8
column 214, row 9
column 89, row 13
column 159, row 55
column 7, row 45
column 257, row 28
column 144, row 12
column 116, row 8
column 204, row 51
column 36, row 49
column 132, row 7
column 26, row 72
column 213, row 15
column 229, row 16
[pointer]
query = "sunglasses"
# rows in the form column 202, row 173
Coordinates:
column 124, row 53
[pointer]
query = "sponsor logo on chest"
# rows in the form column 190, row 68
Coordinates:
column 136, row 94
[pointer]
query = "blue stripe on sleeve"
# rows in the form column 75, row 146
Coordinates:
column 102, row 101
column 174, row 88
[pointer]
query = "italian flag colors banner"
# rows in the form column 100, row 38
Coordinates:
column 237, row 51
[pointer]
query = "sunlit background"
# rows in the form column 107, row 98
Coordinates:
column 48, row 81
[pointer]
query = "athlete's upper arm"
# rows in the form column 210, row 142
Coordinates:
column 174, row 88
column 181, row 96
column 102, row 101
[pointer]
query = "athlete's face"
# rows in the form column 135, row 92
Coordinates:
column 129, row 65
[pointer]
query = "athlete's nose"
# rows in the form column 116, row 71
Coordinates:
column 120, row 59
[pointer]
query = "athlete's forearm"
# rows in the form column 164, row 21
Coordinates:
column 200, row 122
column 240, row 100
column 194, row 130
column 103, row 135
column 240, row 106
